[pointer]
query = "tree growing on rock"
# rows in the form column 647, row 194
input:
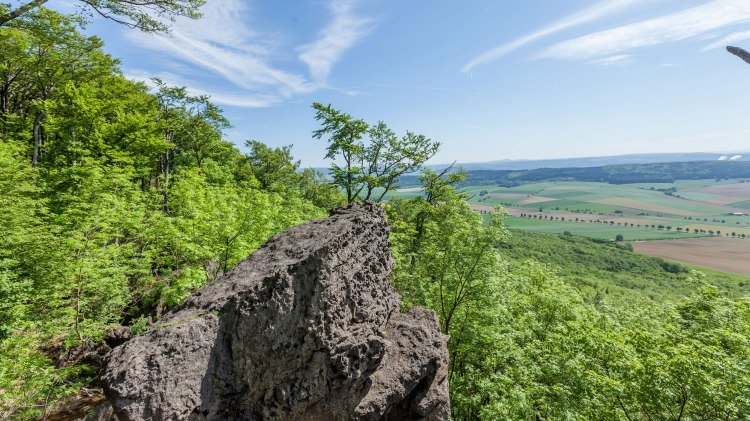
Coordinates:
column 368, row 160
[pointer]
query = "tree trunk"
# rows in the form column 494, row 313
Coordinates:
column 5, row 98
column 166, row 181
column 37, row 137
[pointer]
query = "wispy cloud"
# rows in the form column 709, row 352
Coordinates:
column 225, row 45
column 217, row 96
column 420, row 87
column 342, row 33
column 590, row 14
column 677, row 26
column 729, row 39
column 618, row 60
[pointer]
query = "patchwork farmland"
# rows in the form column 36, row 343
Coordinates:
column 695, row 208
column 697, row 219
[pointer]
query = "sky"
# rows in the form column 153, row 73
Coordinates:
column 491, row 80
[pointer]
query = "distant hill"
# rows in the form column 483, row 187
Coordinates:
column 598, row 161
column 664, row 172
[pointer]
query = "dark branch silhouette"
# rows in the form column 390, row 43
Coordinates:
column 739, row 52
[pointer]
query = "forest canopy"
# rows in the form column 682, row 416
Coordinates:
column 117, row 202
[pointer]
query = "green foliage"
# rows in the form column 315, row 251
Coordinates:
column 445, row 253
column 594, row 268
column 600, row 333
column 117, row 203
column 541, row 352
column 274, row 168
column 146, row 15
column 316, row 188
column 374, row 157
column 30, row 384
column 524, row 360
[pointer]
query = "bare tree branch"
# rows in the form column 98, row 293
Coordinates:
column 739, row 52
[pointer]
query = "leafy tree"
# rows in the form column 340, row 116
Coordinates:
column 345, row 135
column 446, row 257
column 388, row 157
column 274, row 168
column 38, row 62
column 374, row 157
column 146, row 15
column 527, row 343
column 117, row 202
column 23, row 238
column 93, row 284
column 317, row 189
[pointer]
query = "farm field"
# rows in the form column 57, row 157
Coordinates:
column 644, row 211
column 701, row 222
column 597, row 231
column 729, row 255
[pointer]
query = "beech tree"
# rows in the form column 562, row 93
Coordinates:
column 369, row 160
column 274, row 168
column 146, row 15
column 117, row 201
column 38, row 61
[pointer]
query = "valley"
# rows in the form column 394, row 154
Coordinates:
column 701, row 222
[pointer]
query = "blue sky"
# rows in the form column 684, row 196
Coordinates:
column 490, row 79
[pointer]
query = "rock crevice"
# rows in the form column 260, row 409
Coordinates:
column 307, row 328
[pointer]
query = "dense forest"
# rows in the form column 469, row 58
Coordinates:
column 118, row 200
column 667, row 172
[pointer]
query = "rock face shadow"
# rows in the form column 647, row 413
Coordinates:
column 306, row 328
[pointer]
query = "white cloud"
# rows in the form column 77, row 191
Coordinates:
column 590, row 14
column 224, row 44
column 341, row 34
column 245, row 100
column 729, row 39
column 618, row 60
column 677, row 26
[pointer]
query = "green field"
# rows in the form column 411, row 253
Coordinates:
column 634, row 210
column 597, row 231
column 622, row 274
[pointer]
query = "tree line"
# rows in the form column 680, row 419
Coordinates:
column 613, row 174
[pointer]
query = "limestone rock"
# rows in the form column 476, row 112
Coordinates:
column 306, row 328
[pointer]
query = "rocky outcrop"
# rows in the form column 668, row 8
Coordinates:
column 305, row 328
